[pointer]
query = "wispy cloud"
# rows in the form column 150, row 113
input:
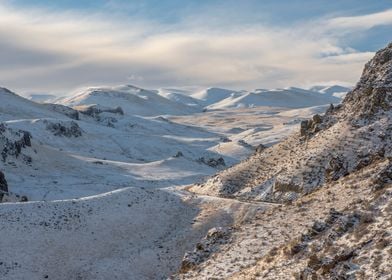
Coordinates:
column 48, row 51
column 361, row 22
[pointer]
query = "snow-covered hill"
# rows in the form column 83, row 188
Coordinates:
column 133, row 100
column 211, row 96
column 181, row 96
column 289, row 98
column 13, row 107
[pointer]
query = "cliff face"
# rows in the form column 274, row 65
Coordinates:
column 373, row 93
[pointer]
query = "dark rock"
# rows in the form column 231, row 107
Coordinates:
column 71, row 129
column 225, row 139
column 304, row 127
column 3, row 185
column 244, row 144
column 95, row 110
column 179, row 154
column 260, row 148
column 337, row 168
column 212, row 162
column 317, row 119
column 330, row 109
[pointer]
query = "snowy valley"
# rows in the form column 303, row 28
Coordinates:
column 129, row 183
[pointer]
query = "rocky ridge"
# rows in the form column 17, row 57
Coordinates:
column 334, row 180
column 343, row 140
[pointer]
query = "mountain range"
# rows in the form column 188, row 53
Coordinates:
column 130, row 183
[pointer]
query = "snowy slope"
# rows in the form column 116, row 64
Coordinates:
column 180, row 96
column 13, row 106
column 210, row 96
column 335, row 90
column 41, row 98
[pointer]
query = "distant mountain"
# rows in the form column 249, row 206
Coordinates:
column 211, row 96
column 289, row 98
column 335, row 90
column 180, row 96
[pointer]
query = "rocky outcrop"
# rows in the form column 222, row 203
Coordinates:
column 101, row 114
column 13, row 141
column 95, row 110
column 373, row 93
column 213, row 162
column 65, row 129
column 207, row 246
column 310, row 127
column 337, row 168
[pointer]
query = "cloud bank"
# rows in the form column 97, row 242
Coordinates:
column 47, row 51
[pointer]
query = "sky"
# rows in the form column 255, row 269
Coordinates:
column 55, row 47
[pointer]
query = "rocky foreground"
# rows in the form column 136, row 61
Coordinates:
column 332, row 186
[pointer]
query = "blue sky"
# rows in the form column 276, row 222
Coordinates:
column 57, row 46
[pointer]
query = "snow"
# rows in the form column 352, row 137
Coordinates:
column 334, row 90
column 210, row 96
column 108, row 199
column 289, row 98
column 131, row 99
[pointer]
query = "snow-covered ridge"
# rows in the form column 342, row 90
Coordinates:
column 132, row 100
column 290, row 97
column 172, row 101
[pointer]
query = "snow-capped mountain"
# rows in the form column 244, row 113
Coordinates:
column 131, row 99
column 211, row 96
column 289, row 98
column 334, row 90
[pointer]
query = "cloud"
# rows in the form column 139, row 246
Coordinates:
column 362, row 22
column 58, row 51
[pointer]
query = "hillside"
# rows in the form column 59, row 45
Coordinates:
column 332, row 181
column 133, row 100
